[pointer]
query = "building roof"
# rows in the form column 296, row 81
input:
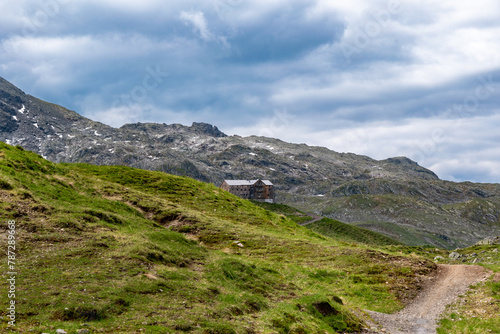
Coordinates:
column 246, row 182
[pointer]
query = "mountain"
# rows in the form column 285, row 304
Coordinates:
column 126, row 250
column 121, row 250
column 395, row 196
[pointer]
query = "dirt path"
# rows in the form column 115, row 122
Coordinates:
column 420, row 316
column 314, row 219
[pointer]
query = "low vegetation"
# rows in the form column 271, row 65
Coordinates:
column 122, row 250
column 349, row 233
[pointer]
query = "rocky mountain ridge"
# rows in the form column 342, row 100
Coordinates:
column 381, row 194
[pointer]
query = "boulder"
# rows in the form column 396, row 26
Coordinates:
column 455, row 256
column 490, row 241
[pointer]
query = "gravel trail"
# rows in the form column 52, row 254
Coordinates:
column 420, row 316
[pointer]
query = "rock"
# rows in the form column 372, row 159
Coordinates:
column 82, row 331
column 61, row 331
column 455, row 256
column 207, row 129
column 238, row 243
column 495, row 250
column 438, row 258
column 151, row 276
column 476, row 260
column 490, row 241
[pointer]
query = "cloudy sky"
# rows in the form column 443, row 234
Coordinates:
column 380, row 78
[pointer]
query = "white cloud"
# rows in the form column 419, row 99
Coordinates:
column 197, row 20
column 126, row 114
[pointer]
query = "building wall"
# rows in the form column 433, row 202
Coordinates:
column 257, row 191
column 242, row 191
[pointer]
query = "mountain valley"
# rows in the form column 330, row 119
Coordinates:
column 394, row 196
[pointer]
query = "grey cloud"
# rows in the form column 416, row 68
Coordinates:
column 283, row 34
column 247, row 59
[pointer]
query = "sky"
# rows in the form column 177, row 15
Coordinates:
column 410, row 78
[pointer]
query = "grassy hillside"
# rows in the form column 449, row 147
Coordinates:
column 349, row 233
column 122, row 250
column 330, row 227
column 448, row 218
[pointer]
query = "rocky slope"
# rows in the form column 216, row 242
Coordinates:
column 395, row 196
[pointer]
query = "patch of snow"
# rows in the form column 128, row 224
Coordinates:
column 15, row 117
column 111, row 150
column 254, row 154
column 36, row 125
column 22, row 110
column 97, row 134
column 71, row 137
column 272, row 169
column 60, row 135
column 8, row 142
column 320, row 195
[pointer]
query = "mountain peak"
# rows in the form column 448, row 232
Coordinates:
column 412, row 167
column 207, row 129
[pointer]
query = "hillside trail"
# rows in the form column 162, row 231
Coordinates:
column 421, row 315
column 314, row 219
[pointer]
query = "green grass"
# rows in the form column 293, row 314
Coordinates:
column 127, row 251
column 425, row 221
column 405, row 235
column 350, row 233
column 291, row 213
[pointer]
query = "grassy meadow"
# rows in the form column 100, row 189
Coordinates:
column 122, row 250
